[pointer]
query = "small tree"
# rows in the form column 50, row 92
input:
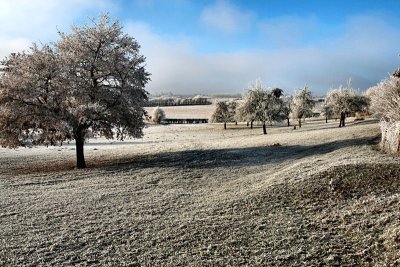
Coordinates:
column 343, row 101
column 339, row 101
column 158, row 115
column 263, row 105
column 327, row 111
column 302, row 104
column 247, row 110
column 91, row 80
column 233, row 110
column 221, row 113
column 287, row 109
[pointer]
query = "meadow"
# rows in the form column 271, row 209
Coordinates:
column 186, row 112
column 198, row 195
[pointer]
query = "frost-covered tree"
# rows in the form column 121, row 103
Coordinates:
column 222, row 113
column 233, row 111
column 287, row 109
column 247, row 109
column 343, row 101
column 385, row 103
column 302, row 104
column 339, row 102
column 263, row 105
column 327, row 111
column 385, row 98
column 92, row 79
column 158, row 115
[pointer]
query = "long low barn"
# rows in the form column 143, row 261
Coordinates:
column 184, row 121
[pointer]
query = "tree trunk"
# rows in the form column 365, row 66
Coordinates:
column 326, row 119
column 299, row 122
column 288, row 122
column 251, row 125
column 264, row 128
column 247, row 124
column 79, row 142
column 224, row 125
column 235, row 122
column 342, row 119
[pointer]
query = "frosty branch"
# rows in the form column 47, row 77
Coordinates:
column 92, row 79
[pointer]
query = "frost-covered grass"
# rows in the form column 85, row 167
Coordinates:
column 196, row 195
column 186, row 112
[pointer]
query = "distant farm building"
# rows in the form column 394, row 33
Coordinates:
column 184, row 121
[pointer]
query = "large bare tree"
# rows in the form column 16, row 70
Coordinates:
column 92, row 79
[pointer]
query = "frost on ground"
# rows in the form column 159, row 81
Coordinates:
column 186, row 112
column 196, row 195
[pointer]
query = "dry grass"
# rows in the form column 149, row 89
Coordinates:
column 196, row 195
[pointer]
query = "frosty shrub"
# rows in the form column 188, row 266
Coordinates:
column 91, row 80
column 385, row 99
column 385, row 103
column 158, row 115
column 390, row 135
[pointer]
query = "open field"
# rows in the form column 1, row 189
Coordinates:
column 196, row 195
column 186, row 112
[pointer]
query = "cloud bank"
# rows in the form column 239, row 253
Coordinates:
column 364, row 51
column 284, row 51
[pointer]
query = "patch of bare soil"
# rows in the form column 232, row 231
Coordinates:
column 202, row 196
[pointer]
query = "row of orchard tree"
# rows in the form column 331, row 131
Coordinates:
column 267, row 105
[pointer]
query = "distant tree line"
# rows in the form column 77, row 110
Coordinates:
column 177, row 101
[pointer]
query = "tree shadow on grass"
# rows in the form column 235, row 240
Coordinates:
column 232, row 157
column 197, row 158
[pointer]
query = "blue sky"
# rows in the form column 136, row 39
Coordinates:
column 207, row 46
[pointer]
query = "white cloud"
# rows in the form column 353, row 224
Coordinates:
column 366, row 49
column 366, row 56
column 226, row 18
column 34, row 21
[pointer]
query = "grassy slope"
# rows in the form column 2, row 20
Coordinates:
column 200, row 196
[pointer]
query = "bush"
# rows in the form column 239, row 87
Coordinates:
column 385, row 103
column 158, row 115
